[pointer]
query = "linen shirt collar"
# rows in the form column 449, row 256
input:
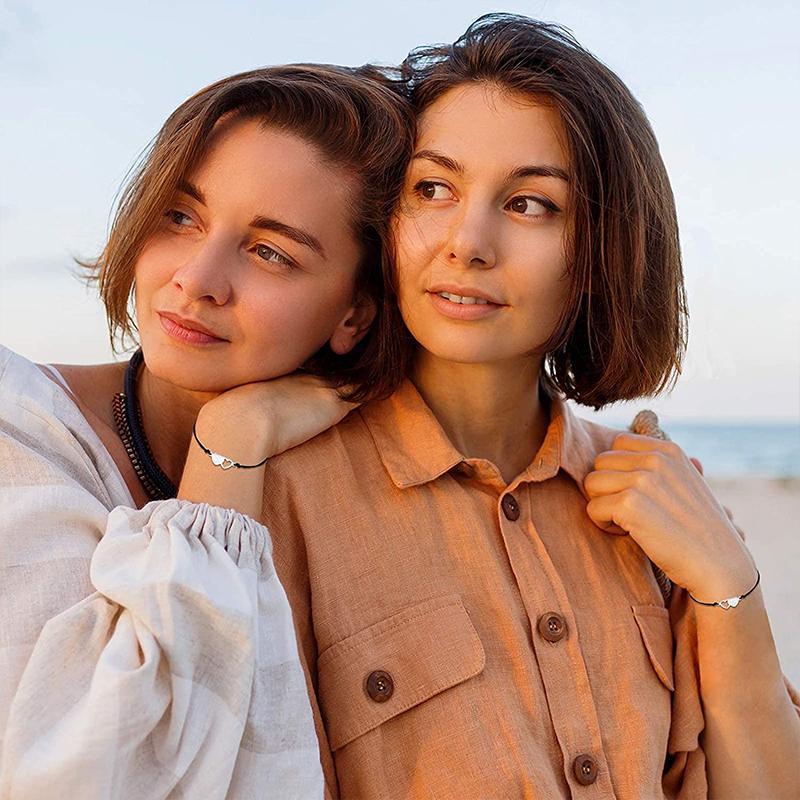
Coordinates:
column 415, row 449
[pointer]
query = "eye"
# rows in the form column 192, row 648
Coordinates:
column 178, row 218
column 529, row 206
column 433, row 190
column 267, row 253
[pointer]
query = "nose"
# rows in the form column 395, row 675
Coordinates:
column 471, row 239
column 204, row 274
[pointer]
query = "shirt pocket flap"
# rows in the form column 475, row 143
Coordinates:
column 424, row 649
column 656, row 630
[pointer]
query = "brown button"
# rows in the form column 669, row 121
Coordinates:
column 585, row 769
column 380, row 686
column 552, row 626
column 510, row 507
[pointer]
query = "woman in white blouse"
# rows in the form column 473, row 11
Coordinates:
column 146, row 646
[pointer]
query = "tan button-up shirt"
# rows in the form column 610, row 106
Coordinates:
column 465, row 638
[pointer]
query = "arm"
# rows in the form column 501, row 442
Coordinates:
column 752, row 731
column 130, row 638
column 248, row 423
column 751, row 738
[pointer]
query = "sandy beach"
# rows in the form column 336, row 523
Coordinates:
column 768, row 511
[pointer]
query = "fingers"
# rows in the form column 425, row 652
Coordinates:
column 601, row 511
column 626, row 460
column 636, row 443
column 609, row 481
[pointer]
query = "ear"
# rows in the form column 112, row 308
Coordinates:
column 353, row 326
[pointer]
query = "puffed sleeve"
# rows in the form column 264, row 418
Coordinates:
column 143, row 653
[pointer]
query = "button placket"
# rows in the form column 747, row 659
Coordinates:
column 558, row 651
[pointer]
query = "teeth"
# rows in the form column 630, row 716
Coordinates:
column 467, row 301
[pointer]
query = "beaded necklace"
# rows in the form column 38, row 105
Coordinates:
column 128, row 419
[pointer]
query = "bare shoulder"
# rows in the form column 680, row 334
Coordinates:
column 93, row 385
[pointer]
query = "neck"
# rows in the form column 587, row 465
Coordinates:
column 168, row 415
column 491, row 411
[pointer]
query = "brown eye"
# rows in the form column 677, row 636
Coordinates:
column 528, row 206
column 428, row 191
column 178, row 217
column 433, row 190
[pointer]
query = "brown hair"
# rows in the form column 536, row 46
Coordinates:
column 624, row 328
column 355, row 121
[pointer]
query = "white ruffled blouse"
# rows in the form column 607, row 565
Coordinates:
column 144, row 653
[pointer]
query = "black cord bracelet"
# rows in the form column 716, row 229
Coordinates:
column 731, row 602
column 218, row 460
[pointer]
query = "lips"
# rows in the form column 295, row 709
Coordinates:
column 470, row 295
column 190, row 325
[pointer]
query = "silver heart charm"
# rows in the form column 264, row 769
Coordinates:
column 226, row 463
column 733, row 601
column 217, row 459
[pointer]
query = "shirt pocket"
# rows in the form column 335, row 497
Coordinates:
column 656, row 630
column 396, row 664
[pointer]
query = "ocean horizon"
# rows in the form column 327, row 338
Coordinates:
column 738, row 449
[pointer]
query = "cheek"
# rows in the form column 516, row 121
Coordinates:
column 298, row 311
column 417, row 239
column 153, row 266
column 546, row 295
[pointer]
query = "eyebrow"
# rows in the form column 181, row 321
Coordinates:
column 264, row 223
column 187, row 187
column 296, row 234
column 538, row 170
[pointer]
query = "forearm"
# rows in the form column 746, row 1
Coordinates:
column 752, row 731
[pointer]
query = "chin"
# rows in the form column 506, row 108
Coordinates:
column 461, row 350
column 190, row 371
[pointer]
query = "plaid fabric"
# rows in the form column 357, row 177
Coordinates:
column 143, row 653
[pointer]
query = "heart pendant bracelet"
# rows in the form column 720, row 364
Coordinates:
column 731, row 602
column 223, row 462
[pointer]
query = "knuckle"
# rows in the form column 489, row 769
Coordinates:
column 672, row 450
column 619, row 441
column 627, row 501
column 654, row 461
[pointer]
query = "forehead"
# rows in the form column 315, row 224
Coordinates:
column 483, row 125
column 245, row 153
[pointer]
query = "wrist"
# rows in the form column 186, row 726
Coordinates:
column 731, row 583
column 237, row 432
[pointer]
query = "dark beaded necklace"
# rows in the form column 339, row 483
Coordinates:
column 128, row 419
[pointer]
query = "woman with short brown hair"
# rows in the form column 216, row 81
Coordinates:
column 147, row 645
column 469, row 626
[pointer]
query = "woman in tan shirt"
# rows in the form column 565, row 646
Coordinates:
column 468, row 564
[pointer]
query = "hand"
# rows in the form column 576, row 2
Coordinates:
column 270, row 416
column 651, row 490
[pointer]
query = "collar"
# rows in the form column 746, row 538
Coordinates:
column 414, row 448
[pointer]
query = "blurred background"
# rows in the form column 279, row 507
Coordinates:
column 84, row 86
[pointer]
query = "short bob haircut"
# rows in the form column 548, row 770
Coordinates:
column 355, row 121
column 624, row 328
